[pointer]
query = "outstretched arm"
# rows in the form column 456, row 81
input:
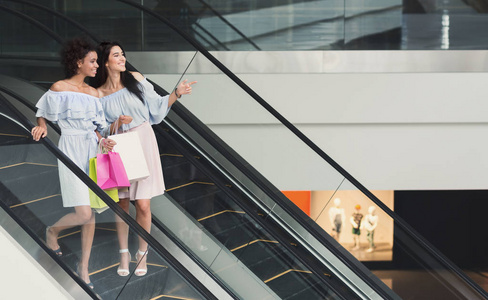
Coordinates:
column 183, row 88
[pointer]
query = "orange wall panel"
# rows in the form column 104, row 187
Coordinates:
column 300, row 198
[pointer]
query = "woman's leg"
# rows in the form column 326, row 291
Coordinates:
column 87, row 234
column 123, row 235
column 143, row 218
column 81, row 216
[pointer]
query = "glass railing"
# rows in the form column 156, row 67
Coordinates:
column 331, row 25
column 225, row 93
column 275, row 168
column 245, row 119
column 296, row 25
column 31, row 193
column 200, row 219
column 222, row 262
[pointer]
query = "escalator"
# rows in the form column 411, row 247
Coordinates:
column 30, row 193
column 235, row 223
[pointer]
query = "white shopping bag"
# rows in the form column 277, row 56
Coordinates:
column 130, row 149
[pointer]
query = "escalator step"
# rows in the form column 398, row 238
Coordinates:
column 29, row 182
column 146, row 287
column 295, row 284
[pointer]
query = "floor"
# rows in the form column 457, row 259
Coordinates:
column 412, row 284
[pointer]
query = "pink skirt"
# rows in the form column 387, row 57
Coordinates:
column 154, row 184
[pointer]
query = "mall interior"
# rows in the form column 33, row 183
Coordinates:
column 330, row 149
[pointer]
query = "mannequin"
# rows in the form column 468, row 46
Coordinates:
column 371, row 221
column 337, row 218
column 356, row 219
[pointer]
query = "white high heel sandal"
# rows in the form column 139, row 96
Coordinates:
column 140, row 272
column 124, row 272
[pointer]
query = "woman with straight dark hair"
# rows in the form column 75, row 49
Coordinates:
column 124, row 93
column 75, row 107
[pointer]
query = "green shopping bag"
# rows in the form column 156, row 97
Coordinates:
column 95, row 201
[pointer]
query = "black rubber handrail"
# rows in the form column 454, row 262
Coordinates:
column 133, row 225
column 249, row 210
column 59, row 15
column 46, row 249
column 34, row 22
column 211, row 35
column 163, row 230
column 94, row 187
column 219, row 15
column 284, row 204
column 293, row 212
column 56, row 128
column 29, row 105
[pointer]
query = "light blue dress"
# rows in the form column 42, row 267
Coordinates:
column 78, row 116
column 152, row 111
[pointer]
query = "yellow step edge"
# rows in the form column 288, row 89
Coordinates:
column 286, row 272
column 224, row 211
column 115, row 265
column 35, row 200
column 190, row 183
column 172, row 297
column 27, row 163
column 18, row 135
column 255, row 241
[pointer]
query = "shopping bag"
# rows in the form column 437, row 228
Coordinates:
column 130, row 149
column 110, row 171
column 95, row 201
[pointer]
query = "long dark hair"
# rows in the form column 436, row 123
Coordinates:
column 127, row 79
column 73, row 51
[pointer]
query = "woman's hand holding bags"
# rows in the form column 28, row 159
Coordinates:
column 130, row 149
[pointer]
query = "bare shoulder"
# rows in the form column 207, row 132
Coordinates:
column 102, row 92
column 92, row 91
column 138, row 76
column 58, row 86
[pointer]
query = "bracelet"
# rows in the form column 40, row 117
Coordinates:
column 176, row 94
column 101, row 141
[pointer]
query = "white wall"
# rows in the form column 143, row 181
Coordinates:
column 391, row 129
column 22, row 277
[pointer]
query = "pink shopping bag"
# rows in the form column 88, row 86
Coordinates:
column 111, row 172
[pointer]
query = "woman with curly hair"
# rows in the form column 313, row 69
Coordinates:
column 75, row 107
column 129, row 93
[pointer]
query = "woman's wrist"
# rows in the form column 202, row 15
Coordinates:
column 176, row 94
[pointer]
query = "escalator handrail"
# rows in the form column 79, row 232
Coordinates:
column 34, row 22
column 56, row 128
column 248, row 210
column 46, row 249
column 285, row 204
column 219, row 15
column 59, row 15
column 212, row 36
column 29, row 105
column 133, row 225
column 43, row 245
column 154, row 221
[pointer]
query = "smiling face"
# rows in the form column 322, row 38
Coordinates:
column 88, row 65
column 116, row 60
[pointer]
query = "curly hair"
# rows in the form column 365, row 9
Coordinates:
column 73, row 51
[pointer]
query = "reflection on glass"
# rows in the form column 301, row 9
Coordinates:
column 355, row 222
column 445, row 30
column 29, row 186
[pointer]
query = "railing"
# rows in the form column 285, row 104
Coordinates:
column 9, row 112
